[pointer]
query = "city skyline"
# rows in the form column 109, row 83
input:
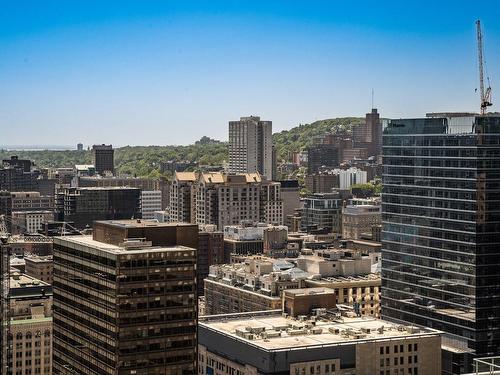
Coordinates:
column 112, row 70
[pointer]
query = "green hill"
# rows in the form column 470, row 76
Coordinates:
column 145, row 160
column 302, row 136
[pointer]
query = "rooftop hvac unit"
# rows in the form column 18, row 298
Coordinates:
column 334, row 330
column 412, row 329
column 297, row 332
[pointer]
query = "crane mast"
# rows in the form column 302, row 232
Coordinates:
column 485, row 94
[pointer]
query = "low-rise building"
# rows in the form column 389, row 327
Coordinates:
column 257, row 282
column 39, row 267
column 254, row 238
column 300, row 302
column 31, row 201
column 357, row 221
column 24, row 245
column 253, row 285
column 30, row 326
column 325, row 344
column 30, row 222
column 362, row 292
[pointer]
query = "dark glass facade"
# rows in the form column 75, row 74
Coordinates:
column 121, row 311
column 441, row 230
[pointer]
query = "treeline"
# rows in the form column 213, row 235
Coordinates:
column 144, row 161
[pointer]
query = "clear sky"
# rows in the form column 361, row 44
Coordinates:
column 168, row 72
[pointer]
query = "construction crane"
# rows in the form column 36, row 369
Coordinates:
column 485, row 94
column 6, row 344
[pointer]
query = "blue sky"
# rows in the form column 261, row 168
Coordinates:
column 169, row 72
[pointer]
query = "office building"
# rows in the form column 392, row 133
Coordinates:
column 290, row 195
column 326, row 343
column 133, row 310
column 358, row 220
column 30, row 326
column 322, row 156
column 79, row 147
column 369, row 134
column 251, row 146
column 322, row 211
column 440, row 231
column 160, row 184
column 18, row 175
column 83, row 206
column 103, row 158
column 150, row 202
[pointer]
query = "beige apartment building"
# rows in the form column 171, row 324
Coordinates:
column 358, row 220
column 30, row 326
column 39, row 267
column 221, row 199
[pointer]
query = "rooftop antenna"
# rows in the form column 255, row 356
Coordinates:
column 485, row 94
column 373, row 93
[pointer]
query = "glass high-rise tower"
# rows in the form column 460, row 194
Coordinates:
column 441, row 231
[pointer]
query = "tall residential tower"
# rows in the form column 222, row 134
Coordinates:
column 251, row 146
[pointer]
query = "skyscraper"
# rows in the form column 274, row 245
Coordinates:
column 103, row 159
column 441, row 228
column 251, row 146
column 125, row 300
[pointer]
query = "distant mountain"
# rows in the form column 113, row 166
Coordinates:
column 145, row 160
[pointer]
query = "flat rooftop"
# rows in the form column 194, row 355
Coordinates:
column 140, row 223
column 21, row 280
column 131, row 248
column 272, row 331
column 309, row 291
column 39, row 258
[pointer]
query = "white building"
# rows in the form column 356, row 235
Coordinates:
column 151, row 202
column 251, row 146
column 30, row 221
column 351, row 176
